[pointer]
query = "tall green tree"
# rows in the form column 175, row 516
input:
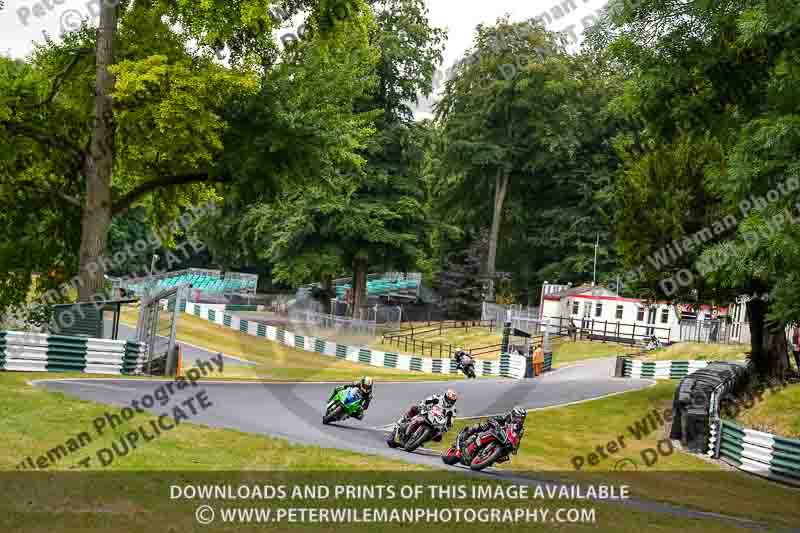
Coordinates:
column 715, row 86
column 506, row 119
column 142, row 104
column 370, row 214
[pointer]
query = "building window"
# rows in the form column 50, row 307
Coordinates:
column 598, row 309
column 576, row 307
column 640, row 314
column 664, row 316
column 619, row 312
column 587, row 309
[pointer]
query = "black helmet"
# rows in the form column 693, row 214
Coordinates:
column 518, row 415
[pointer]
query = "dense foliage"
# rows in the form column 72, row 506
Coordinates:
column 667, row 147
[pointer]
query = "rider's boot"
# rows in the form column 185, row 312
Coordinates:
column 401, row 428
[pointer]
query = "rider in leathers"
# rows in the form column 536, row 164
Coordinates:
column 447, row 401
column 364, row 386
column 516, row 416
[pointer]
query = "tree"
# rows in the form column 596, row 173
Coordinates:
column 554, row 222
column 714, row 85
column 502, row 132
column 459, row 282
column 369, row 213
column 154, row 109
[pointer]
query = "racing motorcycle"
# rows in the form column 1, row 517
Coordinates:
column 653, row 343
column 467, row 365
column 342, row 405
column 427, row 425
column 484, row 449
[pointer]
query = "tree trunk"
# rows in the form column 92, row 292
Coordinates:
column 769, row 349
column 327, row 294
column 501, row 186
column 99, row 163
column 359, row 286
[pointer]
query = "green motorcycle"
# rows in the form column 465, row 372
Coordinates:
column 343, row 404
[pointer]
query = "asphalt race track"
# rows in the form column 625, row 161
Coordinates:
column 294, row 410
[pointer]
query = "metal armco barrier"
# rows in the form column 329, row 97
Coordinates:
column 634, row 368
column 509, row 365
column 39, row 352
column 770, row 456
column 762, row 454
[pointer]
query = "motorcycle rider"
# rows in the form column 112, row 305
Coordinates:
column 447, row 401
column 459, row 356
column 364, row 386
column 516, row 416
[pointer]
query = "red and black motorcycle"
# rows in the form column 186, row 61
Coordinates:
column 428, row 424
column 486, row 448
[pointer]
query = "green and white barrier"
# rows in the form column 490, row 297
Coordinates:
column 39, row 352
column 756, row 452
column 661, row 369
column 510, row 366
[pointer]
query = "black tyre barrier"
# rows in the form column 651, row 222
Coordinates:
column 697, row 400
column 619, row 369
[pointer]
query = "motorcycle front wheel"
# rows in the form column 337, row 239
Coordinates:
column 486, row 457
column 450, row 457
column 333, row 415
column 418, row 438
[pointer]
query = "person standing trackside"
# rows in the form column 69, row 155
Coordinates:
column 538, row 360
column 795, row 346
column 572, row 331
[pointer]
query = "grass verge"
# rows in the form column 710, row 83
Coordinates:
column 566, row 351
column 777, row 413
column 466, row 338
column 275, row 361
column 133, row 494
column 560, row 438
column 682, row 351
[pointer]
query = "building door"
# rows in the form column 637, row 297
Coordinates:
column 651, row 319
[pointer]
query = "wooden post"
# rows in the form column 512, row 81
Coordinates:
column 633, row 335
column 605, row 328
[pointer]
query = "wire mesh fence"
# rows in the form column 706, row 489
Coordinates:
column 502, row 313
column 715, row 331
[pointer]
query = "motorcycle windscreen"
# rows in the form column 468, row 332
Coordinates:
column 351, row 396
